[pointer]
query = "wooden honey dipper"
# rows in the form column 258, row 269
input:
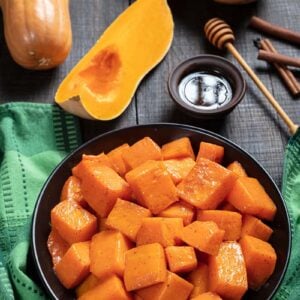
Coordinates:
column 220, row 34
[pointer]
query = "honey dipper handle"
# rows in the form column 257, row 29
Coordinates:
column 291, row 125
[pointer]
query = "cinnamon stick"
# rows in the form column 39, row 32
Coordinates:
column 275, row 30
column 278, row 58
column 286, row 75
column 290, row 75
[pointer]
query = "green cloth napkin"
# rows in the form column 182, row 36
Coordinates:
column 34, row 138
column 290, row 287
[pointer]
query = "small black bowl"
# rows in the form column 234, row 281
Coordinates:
column 216, row 66
column 160, row 133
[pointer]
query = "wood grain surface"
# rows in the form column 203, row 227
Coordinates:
column 253, row 125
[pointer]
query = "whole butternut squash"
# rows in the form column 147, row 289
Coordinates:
column 37, row 32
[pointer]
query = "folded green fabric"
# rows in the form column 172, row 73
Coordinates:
column 290, row 287
column 34, row 138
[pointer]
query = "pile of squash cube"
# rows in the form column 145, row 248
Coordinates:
column 150, row 222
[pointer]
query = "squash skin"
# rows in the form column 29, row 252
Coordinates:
column 104, row 81
column 37, row 32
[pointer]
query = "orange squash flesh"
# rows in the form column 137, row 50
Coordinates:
column 102, row 84
column 199, row 279
column 179, row 148
column 154, row 230
column 204, row 236
column 89, row 283
column 74, row 266
column 181, row 259
column 101, row 186
column 57, row 246
column 181, row 210
column 72, row 191
column 73, row 223
column 227, row 272
column 207, row 184
column 208, row 296
column 107, row 253
column 229, row 221
column 237, row 168
column 174, row 287
column 152, row 186
column 255, row 227
column 140, row 152
column 250, row 197
column 260, row 260
column 144, row 266
column 111, row 288
column 127, row 217
column 179, row 168
column 211, row 151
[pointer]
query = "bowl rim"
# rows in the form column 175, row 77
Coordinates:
column 33, row 244
column 220, row 63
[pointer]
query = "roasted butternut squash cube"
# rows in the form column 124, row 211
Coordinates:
column 72, row 191
column 199, row 279
column 227, row 271
column 208, row 296
column 206, row 185
column 116, row 159
column 101, row 186
column 204, row 236
column 152, row 186
column 249, row 197
column 237, row 168
column 80, row 167
column 102, row 158
column 127, row 217
column 57, row 246
column 255, row 227
column 229, row 221
column 144, row 266
column 108, row 253
column 181, row 259
column 180, row 148
column 74, row 267
column 260, row 258
column 141, row 151
column 89, row 283
column 174, row 287
column 72, row 222
column 181, row 210
column 179, row 168
column 112, row 288
column 155, row 230
column 211, row 151
column 175, row 226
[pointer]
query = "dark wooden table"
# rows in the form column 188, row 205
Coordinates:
column 253, row 124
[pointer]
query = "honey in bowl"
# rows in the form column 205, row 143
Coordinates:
column 206, row 86
column 205, row 90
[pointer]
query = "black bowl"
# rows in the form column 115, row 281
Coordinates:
column 210, row 64
column 161, row 133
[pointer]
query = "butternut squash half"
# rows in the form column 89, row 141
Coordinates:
column 104, row 81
